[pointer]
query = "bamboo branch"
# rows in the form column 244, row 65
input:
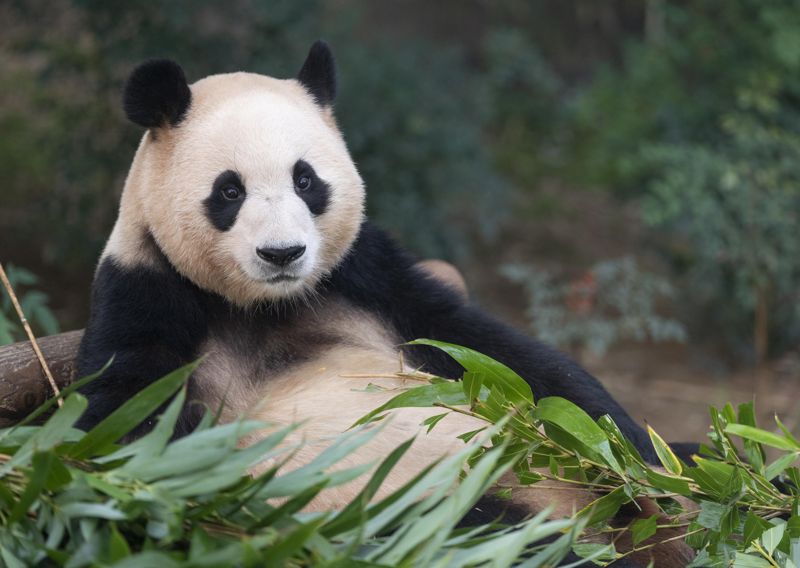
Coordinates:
column 29, row 332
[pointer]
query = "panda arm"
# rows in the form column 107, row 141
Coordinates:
column 151, row 321
column 379, row 276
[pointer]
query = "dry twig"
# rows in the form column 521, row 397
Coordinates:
column 29, row 332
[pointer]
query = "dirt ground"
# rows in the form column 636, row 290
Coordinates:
column 660, row 385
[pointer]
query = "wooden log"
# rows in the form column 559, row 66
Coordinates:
column 23, row 385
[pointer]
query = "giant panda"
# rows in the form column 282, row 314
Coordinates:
column 241, row 237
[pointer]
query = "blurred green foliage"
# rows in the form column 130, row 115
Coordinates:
column 457, row 124
column 615, row 301
column 703, row 119
column 33, row 303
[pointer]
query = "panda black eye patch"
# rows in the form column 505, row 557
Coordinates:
column 310, row 187
column 227, row 196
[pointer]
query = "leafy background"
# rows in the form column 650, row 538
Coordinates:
column 622, row 178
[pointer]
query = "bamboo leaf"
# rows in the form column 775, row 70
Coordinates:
column 54, row 431
column 494, row 373
column 772, row 537
column 644, row 529
column 668, row 483
column 762, row 436
column 754, row 527
column 432, row 421
column 573, row 420
column 131, row 413
column 777, row 467
column 665, row 454
column 605, row 507
column 450, row 393
column 41, row 464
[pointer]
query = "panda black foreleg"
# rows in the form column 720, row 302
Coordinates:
column 150, row 321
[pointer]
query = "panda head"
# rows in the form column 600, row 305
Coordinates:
column 243, row 180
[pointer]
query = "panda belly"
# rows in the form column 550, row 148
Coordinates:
column 321, row 395
column 328, row 393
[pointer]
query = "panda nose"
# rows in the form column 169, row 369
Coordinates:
column 281, row 256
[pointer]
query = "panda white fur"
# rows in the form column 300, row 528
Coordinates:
column 241, row 236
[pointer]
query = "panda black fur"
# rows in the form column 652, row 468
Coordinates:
column 241, row 236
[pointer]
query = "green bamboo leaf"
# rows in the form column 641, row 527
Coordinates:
column 506, row 549
column 131, row 413
column 777, row 467
column 754, row 527
column 432, row 421
column 595, row 551
column 151, row 445
column 294, row 542
column 354, row 513
column 117, row 545
column 574, row 421
column 644, row 529
column 772, row 537
column 665, row 454
column 58, row 476
column 516, row 389
column 425, row 535
column 472, row 383
column 311, row 473
column 605, row 507
column 467, row 436
column 668, row 483
column 747, row 414
column 529, row 477
column 449, row 392
column 148, row 559
column 114, row 491
column 762, row 436
column 290, row 507
column 8, row 557
column 53, row 432
column 41, row 464
column 93, row 510
column 711, row 514
column 742, row 560
column 786, row 431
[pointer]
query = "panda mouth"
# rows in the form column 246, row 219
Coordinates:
column 282, row 278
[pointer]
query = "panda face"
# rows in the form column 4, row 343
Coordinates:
column 254, row 194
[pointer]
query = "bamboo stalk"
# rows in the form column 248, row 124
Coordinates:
column 29, row 332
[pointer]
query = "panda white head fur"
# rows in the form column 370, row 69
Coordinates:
column 244, row 181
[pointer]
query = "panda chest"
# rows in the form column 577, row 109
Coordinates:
column 314, row 365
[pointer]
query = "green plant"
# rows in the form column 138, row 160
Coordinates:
column 69, row 498
column 736, row 205
column 746, row 507
column 33, row 303
column 702, row 121
column 614, row 301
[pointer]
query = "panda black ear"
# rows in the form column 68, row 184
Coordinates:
column 318, row 74
column 156, row 94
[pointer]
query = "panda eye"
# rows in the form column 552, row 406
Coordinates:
column 303, row 183
column 230, row 192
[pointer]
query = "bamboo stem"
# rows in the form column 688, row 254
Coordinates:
column 29, row 332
